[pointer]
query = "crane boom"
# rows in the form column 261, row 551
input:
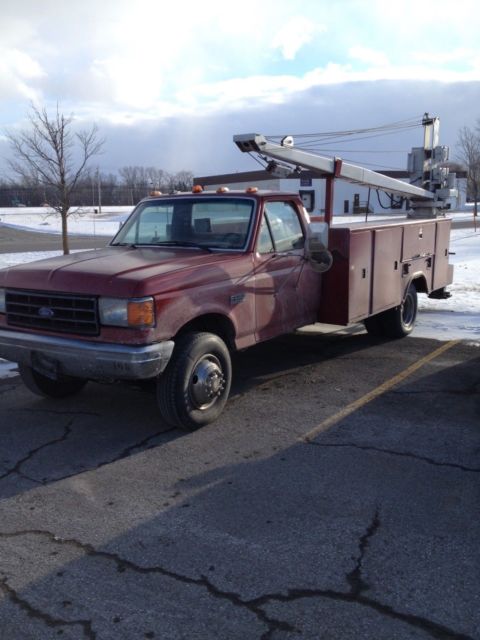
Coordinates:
column 334, row 167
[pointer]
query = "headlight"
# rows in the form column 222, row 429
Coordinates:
column 120, row 312
column 2, row 301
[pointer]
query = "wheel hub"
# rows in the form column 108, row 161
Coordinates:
column 207, row 382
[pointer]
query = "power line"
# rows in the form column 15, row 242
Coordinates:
column 401, row 124
column 312, row 141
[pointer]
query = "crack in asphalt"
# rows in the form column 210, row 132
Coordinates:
column 433, row 629
column 127, row 451
column 392, row 452
column 354, row 578
column 49, row 620
column 138, row 445
column 120, row 456
column 57, row 412
column 17, row 466
column 356, row 595
column 123, row 564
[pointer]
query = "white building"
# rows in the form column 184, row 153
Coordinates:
column 348, row 198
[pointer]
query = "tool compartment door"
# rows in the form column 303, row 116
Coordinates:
column 387, row 279
column 360, row 274
column 442, row 270
column 345, row 289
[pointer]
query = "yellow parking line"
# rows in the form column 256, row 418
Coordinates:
column 371, row 395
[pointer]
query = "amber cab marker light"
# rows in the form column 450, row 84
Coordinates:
column 252, row 190
column 223, row 190
column 141, row 313
column 197, row 188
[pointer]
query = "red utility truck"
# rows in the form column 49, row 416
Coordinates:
column 191, row 277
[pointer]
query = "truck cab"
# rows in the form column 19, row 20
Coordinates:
column 203, row 273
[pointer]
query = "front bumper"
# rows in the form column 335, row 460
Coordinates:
column 54, row 356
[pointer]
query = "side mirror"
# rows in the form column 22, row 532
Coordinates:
column 316, row 248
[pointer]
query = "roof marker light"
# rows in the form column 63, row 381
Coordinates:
column 223, row 190
column 197, row 188
column 251, row 190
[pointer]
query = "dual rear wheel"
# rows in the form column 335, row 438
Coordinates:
column 397, row 322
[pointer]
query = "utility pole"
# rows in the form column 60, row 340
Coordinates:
column 99, row 185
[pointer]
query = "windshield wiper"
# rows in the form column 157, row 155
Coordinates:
column 124, row 244
column 181, row 243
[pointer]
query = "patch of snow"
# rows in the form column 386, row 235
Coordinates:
column 80, row 222
column 8, row 369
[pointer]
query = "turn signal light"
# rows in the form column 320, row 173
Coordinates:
column 140, row 313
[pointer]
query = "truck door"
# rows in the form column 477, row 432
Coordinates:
column 286, row 289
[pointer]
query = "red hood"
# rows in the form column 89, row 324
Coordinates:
column 126, row 271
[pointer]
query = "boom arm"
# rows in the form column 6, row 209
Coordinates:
column 328, row 166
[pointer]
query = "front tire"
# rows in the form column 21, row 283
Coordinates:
column 194, row 388
column 41, row 385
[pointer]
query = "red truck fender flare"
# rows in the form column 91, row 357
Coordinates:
column 419, row 281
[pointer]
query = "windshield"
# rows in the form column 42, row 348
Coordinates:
column 212, row 223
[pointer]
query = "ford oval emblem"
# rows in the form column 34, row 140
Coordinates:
column 46, row 312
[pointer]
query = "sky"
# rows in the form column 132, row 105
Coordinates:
column 170, row 83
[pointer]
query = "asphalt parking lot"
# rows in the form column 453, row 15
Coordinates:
column 337, row 497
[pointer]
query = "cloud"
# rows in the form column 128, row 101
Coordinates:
column 294, row 35
column 369, row 56
column 17, row 71
column 138, row 65
column 203, row 143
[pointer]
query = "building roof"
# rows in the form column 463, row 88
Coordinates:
column 257, row 176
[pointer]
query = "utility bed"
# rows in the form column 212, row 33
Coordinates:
column 374, row 261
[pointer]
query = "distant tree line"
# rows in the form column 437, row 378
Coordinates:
column 96, row 188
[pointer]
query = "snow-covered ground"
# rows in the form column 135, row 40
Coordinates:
column 80, row 222
column 457, row 317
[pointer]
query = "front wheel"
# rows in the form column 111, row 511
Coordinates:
column 193, row 389
column 62, row 387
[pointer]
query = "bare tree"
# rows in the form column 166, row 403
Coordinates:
column 51, row 154
column 469, row 145
column 181, row 181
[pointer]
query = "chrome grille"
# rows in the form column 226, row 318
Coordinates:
column 52, row 312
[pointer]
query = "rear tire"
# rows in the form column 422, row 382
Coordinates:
column 397, row 322
column 41, row 385
column 194, row 388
